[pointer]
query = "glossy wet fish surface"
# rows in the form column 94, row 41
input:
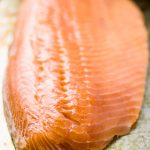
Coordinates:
column 76, row 73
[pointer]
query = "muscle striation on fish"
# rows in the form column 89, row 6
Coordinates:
column 76, row 73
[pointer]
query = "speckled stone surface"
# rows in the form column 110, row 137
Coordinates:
column 139, row 137
column 8, row 9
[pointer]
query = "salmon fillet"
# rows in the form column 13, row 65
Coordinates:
column 76, row 73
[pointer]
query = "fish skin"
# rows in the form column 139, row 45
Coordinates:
column 76, row 73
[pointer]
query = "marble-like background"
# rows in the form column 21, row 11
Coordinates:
column 8, row 11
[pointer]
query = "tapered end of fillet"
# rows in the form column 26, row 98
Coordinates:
column 76, row 73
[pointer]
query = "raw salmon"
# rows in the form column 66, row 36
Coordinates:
column 76, row 73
